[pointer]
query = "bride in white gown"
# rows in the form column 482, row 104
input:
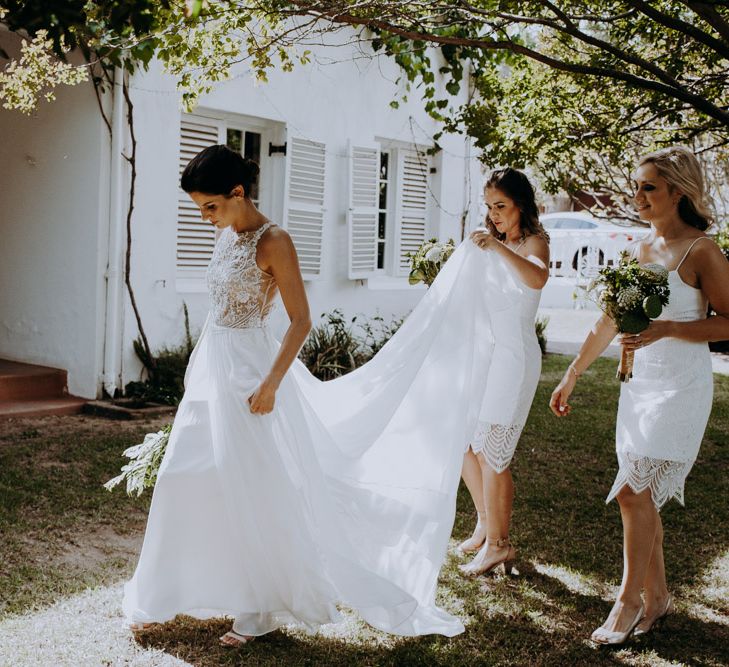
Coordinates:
column 281, row 497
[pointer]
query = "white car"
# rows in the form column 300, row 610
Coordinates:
column 580, row 244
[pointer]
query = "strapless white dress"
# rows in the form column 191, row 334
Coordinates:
column 664, row 408
column 512, row 378
column 343, row 495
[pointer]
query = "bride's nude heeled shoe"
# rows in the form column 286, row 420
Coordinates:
column 238, row 639
column 668, row 609
column 613, row 637
column 141, row 627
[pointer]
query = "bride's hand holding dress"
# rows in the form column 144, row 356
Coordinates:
column 276, row 255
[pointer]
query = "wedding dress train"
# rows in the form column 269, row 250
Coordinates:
column 345, row 493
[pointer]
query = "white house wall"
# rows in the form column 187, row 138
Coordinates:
column 336, row 104
column 53, row 210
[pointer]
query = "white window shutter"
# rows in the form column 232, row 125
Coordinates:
column 412, row 205
column 364, row 165
column 304, row 219
column 195, row 236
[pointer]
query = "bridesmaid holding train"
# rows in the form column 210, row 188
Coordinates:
column 515, row 238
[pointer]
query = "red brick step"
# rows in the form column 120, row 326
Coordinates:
column 68, row 405
column 30, row 390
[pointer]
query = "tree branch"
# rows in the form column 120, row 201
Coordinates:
column 696, row 101
column 97, row 85
column 707, row 12
column 132, row 160
column 699, row 35
column 569, row 28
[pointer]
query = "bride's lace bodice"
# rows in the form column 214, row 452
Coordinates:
column 241, row 294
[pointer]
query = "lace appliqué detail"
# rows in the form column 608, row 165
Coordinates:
column 239, row 290
column 497, row 442
column 664, row 478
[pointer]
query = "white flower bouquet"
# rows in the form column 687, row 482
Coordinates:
column 144, row 462
column 631, row 295
column 428, row 260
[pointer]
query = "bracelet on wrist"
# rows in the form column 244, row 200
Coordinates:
column 574, row 371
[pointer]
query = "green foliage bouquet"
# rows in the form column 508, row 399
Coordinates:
column 141, row 471
column 631, row 295
column 428, row 260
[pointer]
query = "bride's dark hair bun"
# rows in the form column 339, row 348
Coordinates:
column 216, row 170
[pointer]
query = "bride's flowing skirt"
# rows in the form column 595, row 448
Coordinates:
column 345, row 493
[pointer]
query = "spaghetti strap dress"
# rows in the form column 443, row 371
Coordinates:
column 664, row 409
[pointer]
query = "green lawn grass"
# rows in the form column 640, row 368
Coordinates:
column 568, row 542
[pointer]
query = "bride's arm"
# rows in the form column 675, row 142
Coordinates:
column 277, row 256
column 597, row 340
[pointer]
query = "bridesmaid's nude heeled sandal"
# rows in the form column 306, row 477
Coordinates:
column 615, row 638
column 654, row 623
column 507, row 561
column 235, row 640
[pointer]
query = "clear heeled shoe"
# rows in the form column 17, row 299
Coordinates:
column 668, row 609
column 472, row 545
column 613, row 637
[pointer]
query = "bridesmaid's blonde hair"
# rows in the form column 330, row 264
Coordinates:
column 679, row 166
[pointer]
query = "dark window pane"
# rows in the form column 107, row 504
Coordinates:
column 381, row 226
column 253, row 147
column 234, row 140
column 383, row 195
column 384, row 164
column 380, row 255
column 253, row 152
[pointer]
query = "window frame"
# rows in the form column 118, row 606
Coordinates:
column 392, row 271
column 193, row 280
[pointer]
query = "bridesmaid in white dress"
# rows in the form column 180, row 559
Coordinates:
column 664, row 409
column 517, row 239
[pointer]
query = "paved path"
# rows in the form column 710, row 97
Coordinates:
column 567, row 330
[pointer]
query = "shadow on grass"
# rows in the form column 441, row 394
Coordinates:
column 531, row 619
column 564, row 468
column 490, row 641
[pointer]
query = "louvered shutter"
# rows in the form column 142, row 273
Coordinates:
column 412, row 208
column 364, row 162
column 195, row 236
column 305, row 202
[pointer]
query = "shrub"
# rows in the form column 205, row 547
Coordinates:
column 335, row 348
column 377, row 333
column 165, row 371
column 722, row 239
column 540, row 326
column 332, row 348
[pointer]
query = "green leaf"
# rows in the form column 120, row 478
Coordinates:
column 633, row 322
column 652, row 306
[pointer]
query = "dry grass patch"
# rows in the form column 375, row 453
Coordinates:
column 63, row 533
